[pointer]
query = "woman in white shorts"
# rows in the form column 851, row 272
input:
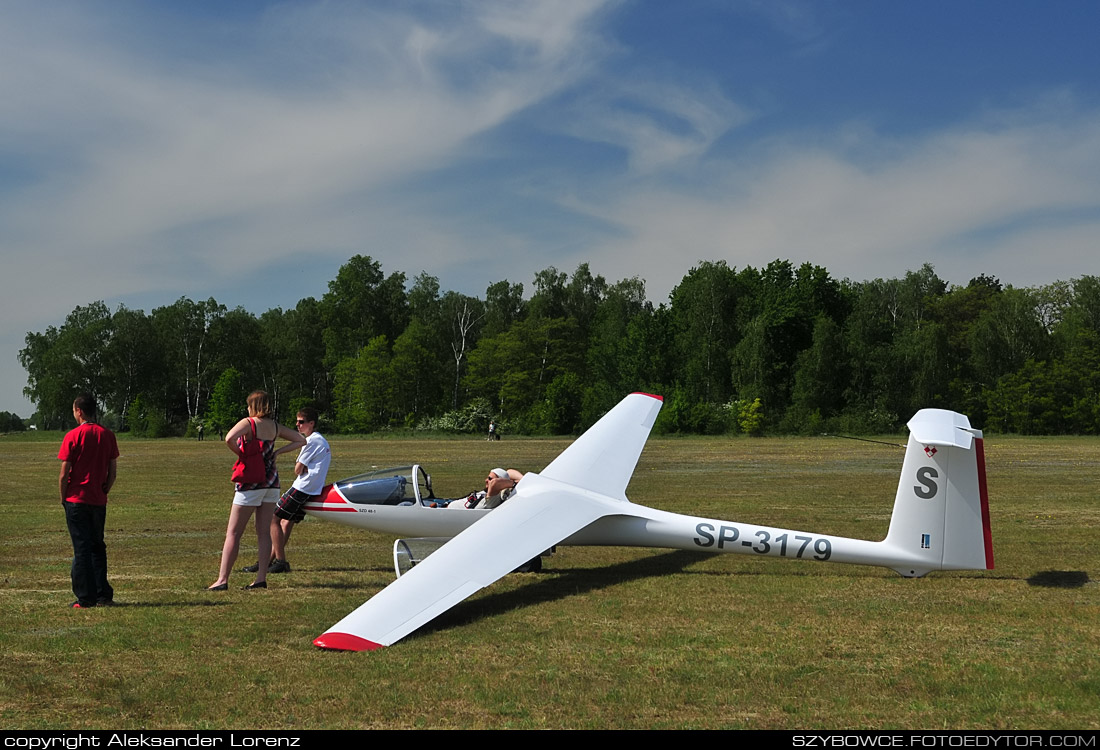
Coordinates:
column 260, row 497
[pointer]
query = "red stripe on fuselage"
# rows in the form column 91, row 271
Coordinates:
column 988, row 531
column 331, row 502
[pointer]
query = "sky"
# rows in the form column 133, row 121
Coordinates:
column 245, row 150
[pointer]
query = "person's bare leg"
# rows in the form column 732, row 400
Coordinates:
column 278, row 541
column 264, row 514
column 280, row 535
column 238, row 522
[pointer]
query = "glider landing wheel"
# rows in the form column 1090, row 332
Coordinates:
column 534, row 565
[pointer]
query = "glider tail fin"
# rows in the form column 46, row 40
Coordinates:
column 941, row 513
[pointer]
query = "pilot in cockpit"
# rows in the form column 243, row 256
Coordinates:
column 500, row 484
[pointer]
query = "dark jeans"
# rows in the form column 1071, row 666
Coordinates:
column 89, row 552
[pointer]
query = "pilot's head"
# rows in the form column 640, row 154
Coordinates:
column 497, row 481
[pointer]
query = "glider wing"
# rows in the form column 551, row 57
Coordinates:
column 603, row 458
column 585, row 483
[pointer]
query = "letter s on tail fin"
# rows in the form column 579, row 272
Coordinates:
column 941, row 513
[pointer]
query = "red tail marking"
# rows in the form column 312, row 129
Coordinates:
column 988, row 531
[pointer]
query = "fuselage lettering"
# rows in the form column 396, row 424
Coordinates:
column 707, row 537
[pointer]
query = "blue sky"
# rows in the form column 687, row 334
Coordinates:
column 244, row 150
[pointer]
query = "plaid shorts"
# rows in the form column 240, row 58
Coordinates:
column 291, row 504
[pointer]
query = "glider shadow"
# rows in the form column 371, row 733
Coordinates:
column 1059, row 579
column 567, row 583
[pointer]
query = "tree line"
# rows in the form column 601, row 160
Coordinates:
column 780, row 349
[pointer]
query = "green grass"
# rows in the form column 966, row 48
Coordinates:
column 607, row 637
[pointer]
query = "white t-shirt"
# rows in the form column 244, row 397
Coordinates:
column 316, row 457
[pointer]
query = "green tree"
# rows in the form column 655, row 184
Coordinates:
column 821, row 374
column 1006, row 335
column 362, row 303
column 464, row 316
column 11, row 422
column 514, row 368
column 549, row 297
column 134, row 359
column 227, row 402
column 416, row 381
column 778, row 309
column 703, row 307
column 184, row 329
column 559, row 411
column 617, row 360
column 504, row 306
column 65, row 361
column 583, row 297
column 363, row 388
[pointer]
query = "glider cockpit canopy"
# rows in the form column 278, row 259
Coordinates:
column 396, row 486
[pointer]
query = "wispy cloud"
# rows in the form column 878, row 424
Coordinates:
column 154, row 150
column 991, row 197
column 211, row 160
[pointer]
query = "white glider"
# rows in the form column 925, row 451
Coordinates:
column 940, row 521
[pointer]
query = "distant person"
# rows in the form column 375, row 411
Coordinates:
column 89, row 456
column 199, row 430
column 260, row 496
column 493, row 434
column 310, row 469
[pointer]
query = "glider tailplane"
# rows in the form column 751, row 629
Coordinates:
column 941, row 513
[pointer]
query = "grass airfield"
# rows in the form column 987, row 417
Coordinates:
column 604, row 638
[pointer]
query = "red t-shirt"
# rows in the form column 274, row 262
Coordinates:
column 90, row 449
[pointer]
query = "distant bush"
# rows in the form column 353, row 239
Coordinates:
column 11, row 423
column 149, row 422
column 471, row 418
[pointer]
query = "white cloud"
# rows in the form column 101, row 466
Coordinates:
column 156, row 152
column 213, row 161
column 980, row 199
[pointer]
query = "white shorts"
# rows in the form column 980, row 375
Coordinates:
column 254, row 498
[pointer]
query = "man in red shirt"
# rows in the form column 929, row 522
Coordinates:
column 88, row 456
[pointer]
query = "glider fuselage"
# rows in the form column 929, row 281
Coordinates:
column 634, row 526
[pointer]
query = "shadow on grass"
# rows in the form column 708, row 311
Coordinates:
column 1059, row 579
column 138, row 605
column 569, row 583
column 344, row 586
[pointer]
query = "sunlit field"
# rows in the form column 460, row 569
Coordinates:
column 603, row 638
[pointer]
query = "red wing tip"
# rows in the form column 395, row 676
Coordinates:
column 651, row 395
column 345, row 642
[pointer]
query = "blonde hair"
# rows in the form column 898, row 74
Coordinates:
column 259, row 404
